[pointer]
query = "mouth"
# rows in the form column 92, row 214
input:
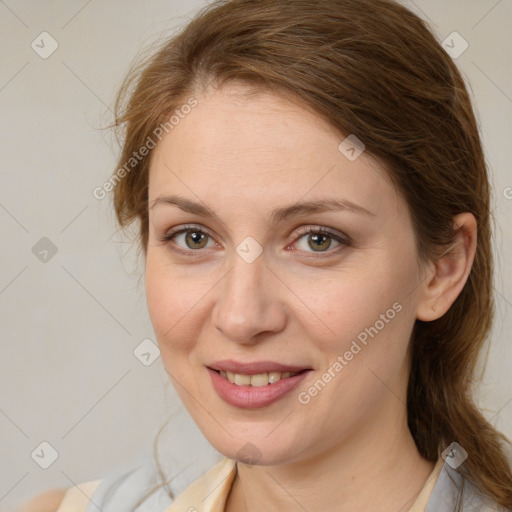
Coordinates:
column 255, row 390
column 258, row 379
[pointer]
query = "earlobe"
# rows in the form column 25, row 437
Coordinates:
column 450, row 272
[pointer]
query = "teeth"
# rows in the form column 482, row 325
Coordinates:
column 260, row 379
column 242, row 380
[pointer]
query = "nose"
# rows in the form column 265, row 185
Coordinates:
column 249, row 303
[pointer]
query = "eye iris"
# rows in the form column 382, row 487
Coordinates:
column 317, row 237
column 196, row 238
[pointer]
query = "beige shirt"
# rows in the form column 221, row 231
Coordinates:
column 209, row 492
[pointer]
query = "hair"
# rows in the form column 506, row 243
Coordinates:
column 374, row 69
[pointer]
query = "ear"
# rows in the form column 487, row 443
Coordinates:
column 449, row 274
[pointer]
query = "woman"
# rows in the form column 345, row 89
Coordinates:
column 314, row 217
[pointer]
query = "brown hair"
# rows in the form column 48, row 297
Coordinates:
column 374, row 69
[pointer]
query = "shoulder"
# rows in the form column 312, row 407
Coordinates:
column 77, row 498
column 453, row 491
column 117, row 489
column 74, row 499
column 135, row 486
column 120, row 489
column 47, row 501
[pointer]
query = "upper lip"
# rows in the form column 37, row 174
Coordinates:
column 255, row 367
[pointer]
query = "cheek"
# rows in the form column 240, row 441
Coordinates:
column 372, row 307
column 171, row 301
column 361, row 328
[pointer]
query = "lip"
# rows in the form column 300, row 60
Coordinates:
column 253, row 397
column 229, row 365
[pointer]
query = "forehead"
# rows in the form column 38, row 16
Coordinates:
column 261, row 148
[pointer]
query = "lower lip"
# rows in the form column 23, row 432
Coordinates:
column 252, row 397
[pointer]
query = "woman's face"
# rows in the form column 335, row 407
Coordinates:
column 247, row 283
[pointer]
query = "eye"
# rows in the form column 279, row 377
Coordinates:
column 192, row 238
column 188, row 239
column 320, row 240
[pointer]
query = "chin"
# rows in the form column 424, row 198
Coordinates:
column 254, row 452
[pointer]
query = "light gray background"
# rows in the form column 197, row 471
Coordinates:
column 69, row 326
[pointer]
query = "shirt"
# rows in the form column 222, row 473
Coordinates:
column 209, row 493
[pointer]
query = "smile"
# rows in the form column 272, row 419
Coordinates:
column 256, row 390
column 257, row 380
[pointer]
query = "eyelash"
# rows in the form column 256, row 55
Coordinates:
column 344, row 241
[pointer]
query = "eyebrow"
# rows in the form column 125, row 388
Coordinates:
column 278, row 215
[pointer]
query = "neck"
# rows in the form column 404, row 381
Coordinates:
column 377, row 469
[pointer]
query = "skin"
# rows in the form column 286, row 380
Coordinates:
column 243, row 157
column 47, row 501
